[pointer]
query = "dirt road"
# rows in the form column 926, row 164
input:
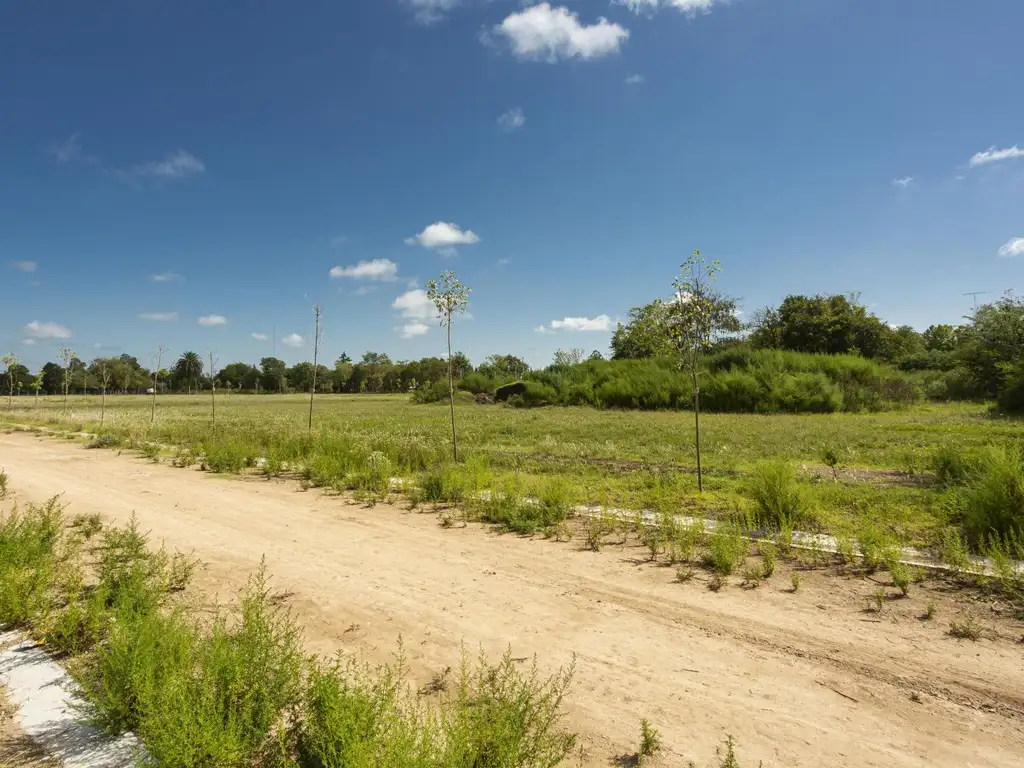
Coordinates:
column 805, row 679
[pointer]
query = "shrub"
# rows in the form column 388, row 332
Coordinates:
column 949, row 465
column 993, row 499
column 778, row 496
column 650, row 742
column 442, row 486
column 33, row 553
column 965, row 629
column 726, row 548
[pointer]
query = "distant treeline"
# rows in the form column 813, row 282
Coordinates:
column 811, row 354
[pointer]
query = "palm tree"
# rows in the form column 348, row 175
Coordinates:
column 189, row 367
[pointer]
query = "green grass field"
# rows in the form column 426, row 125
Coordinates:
column 621, row 458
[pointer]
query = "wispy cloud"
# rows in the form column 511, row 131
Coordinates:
column 993, row 155
column 24, row 266
column 503, row 262
column 159, row 317
column 259, row 336
column 177, row 165
column 903, row 181
column 412, row 330
column 377, row 269
column 542, row 329
column 512, row 120
column 430, row 11
column 415, row 304
column 293, row 340
column 165, row 277
column 635, row 79
column 443, row 234
column 601, row 323
column 551, row 34
column 212, row 321
column 690, row 7
column 38, row 330
column 1012, row 247
column 29, row 342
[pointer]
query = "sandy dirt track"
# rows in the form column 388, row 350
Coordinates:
column 803, row 679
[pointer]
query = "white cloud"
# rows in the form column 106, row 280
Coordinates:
column 635, row 79
column 993, row 155
column 165, row 277
column 904, row 181
column 178, row 165
column 378, row 269
column 431, row 11
column 212, row 320
column 68, row 150
column 512, row 120
column 1012, row 247
column 293, row 340
column 159, row 317
column 543, row 329
column 29, row 342
column 443, row 235
column 576, row 324
column 412, row 330
column 415, row 304
column 24, row 266
column 259, row 336
column 547, row 33
column 690, row 7
column 37, row 330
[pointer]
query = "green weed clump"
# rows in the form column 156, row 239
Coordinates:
column 492, row 715
column 442, row 486
column 199, row 698
column 992, row 499
column 510, row 509
column 33, row 555
column 3, row 483
column 650, row 742
column 965, row 629
column 949, row 465
column 727, row 548
column 777, row 494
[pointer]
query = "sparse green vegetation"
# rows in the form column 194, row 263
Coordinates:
column 965, row 629
column 238, row 689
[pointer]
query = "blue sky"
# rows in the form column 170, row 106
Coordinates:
column 562, row 158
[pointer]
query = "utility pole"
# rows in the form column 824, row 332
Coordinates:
column 976, row 294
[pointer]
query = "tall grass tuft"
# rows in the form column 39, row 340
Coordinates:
column 992, row 501
column 777, row 494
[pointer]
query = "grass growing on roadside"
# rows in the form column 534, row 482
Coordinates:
column 238, row 690
column 777, row 494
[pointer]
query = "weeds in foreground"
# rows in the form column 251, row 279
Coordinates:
column 728, row 755
column 769, row 553
column 794, row 581
column 150, row 451
column 650, row 742
column 3, row 484
column 878, row 599
column 727, row 548
column 88, row 525
column 777, row 494
column 930, row 610
column 965, row 629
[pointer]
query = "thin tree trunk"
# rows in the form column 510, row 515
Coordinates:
column 152, row 415
column 316, row 353
column 696, row 422
column 103, row 406
column 451, row 392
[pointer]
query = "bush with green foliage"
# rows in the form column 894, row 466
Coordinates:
column 778, row 496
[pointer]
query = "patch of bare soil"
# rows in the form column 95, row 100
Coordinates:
column 809, row 678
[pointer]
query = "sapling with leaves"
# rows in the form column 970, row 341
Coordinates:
column 697, row 315
column 451, row 298
column 158, row 356
column 213, row 389
column 37, row 386
column 67, row 357
column 11, row 361
column 105, row 374
column 317, row 332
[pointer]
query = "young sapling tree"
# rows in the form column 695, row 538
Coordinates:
column 11, row 361
column 67, row 357
column 316, row 356
column 696, row 316
column 451, row 298
column 157, row 357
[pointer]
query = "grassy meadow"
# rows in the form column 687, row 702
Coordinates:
column 852, row 468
